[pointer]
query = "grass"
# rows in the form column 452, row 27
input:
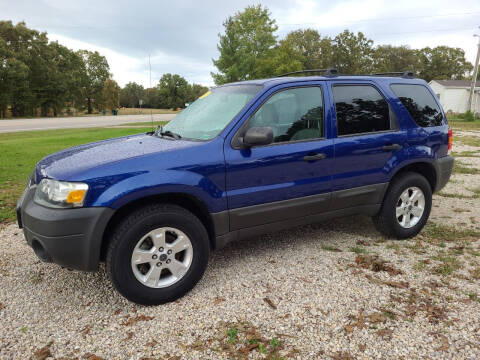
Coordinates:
column 460, row 168
column 448, row 264
column 121, row 111
column 358, row 250
column 22, row 150
column 439, row 234
column 460, row 124
column 145, row 124
column 466, row 154
column 457, row 196
column 330, row 248
column 144, row 111
column 467, row 140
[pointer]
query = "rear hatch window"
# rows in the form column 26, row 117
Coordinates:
column 420, row 103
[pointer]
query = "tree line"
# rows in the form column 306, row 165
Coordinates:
column 250, row 49
column 172, row 91
column 39, row 77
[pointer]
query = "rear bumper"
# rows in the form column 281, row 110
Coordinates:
column 443, row 167
column 68, row 237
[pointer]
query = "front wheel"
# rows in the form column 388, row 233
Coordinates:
column 157, row 254
column 406, row 206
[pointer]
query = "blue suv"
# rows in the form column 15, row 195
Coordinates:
column 244, row 159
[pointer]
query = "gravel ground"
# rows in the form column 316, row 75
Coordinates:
column 336, row 290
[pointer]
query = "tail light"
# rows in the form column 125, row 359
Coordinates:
column 450, row 140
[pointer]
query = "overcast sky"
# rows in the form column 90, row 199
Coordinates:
column 181, row 36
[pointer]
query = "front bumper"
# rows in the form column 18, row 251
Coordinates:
column 443, row 168
column 68, row 237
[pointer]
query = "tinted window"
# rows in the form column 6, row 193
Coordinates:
column 420, row 104
column 360, row 109
column 294, row 114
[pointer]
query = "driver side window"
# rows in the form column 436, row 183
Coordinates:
column 293, row 114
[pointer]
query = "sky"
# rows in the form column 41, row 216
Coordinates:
column 181, row 36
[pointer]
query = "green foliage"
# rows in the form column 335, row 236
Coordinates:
column 38, row 74
column 353, row 54
column 249, row 50
column 96, row 73
column 110, row 94
column 313, row 51
column 174, row 89
column 232, row 335
column 469, row 116
column 246, row 47
column 131, row 95
column 443, row 62
column 387, row 58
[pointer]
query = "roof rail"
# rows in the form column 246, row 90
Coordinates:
column 327, row 72
column 404, row 74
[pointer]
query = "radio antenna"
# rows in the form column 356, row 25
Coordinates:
column 150, row 68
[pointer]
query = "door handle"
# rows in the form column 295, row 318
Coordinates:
column 314, row 157
column 391, row 147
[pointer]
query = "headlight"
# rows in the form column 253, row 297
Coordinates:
column 60, row 194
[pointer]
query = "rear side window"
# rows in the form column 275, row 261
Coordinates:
column 360, row 109
column 420, row 104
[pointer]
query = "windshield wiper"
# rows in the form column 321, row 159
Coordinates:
column 160, row 132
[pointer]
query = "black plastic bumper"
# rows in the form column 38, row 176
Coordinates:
column 443, row 168
column 68, row 237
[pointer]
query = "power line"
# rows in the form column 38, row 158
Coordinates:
column 419, row 32
column 388, row 19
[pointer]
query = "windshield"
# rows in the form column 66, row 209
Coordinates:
column 206, row 117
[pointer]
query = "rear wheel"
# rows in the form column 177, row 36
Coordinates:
column 157, row 254
column 406, row 206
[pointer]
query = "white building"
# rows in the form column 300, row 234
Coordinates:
column 453, row 94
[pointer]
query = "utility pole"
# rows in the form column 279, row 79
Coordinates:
column 474, row 78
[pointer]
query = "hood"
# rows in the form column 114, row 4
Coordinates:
column 62, row 164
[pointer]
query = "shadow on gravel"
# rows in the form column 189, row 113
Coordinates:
column 358, row 225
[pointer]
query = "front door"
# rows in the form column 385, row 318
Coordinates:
column 290, row 177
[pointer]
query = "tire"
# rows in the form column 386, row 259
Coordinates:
column 132, row 234
column 386, row 220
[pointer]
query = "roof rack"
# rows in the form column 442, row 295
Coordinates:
column 404, row 74
column 327, row 72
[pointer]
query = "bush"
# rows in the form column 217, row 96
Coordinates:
column 468, row 116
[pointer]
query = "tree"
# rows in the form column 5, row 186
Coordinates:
column 284, row 58
column 97, row 72
column 196, row 91
column 13, row 72
column 313, row 51
column 352, row 54
column 110, row 94
column 174, row 89
column 246, row 46
column 131, row 95
column 443, row 62
column 388, row 58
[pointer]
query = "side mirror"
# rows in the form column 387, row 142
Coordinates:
column 256, row 136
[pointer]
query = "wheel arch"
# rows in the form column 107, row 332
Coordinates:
column 187, row 201
column 424, row 168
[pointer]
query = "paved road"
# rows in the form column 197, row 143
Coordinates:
column 76, row 122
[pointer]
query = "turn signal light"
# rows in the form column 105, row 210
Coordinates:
column 75, row 196
column 450, row 140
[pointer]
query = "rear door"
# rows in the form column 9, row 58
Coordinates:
column 292, row 176
column 367, row 145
